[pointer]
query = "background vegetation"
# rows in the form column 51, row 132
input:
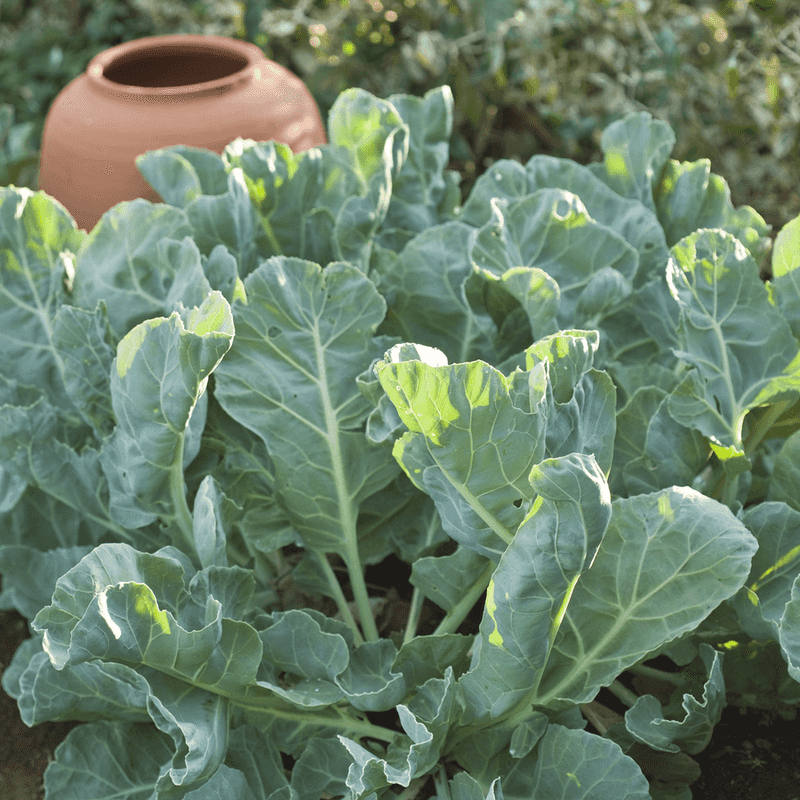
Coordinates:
column 528, row 75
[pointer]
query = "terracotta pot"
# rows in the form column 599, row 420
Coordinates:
column 202, row 91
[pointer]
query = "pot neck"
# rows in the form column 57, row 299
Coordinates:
column 174, row 68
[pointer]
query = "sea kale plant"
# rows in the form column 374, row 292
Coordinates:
column 565, row 404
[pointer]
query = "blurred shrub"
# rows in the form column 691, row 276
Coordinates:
column 548, row 75
column 45, row 44
column 527, row 75
column 19, row 157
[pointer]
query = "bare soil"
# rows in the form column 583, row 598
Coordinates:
column 754, row 755
column 24, row 752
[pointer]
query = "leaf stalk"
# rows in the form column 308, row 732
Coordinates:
column 360, row 729
column 338, row 595
column 458, row 613
column 675, row 678
column 359, row 588
column 759, row 431
column 183, row 515
column 417, row 600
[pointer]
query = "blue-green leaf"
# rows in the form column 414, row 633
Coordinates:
column 635, row 150
column 315, row 664
column 667, row 560
column 246, row 476
column 228, row 219
column 310, row 652
column 83, row 344
column 552, row 230
column 579, row 400
column 133, row 279
column 181, row 174
column 159, row 377
column 464, row 787
column 426, row 657
column 652, row 451
column 534, row 582
column 447, row 579
column 30, row 575
column 426, row 719
column 227, row 783
column 508, row 180
column 34, row 441
column 785, row 279
column 636, row 221
column 741, row 348
column 786, row 473
column 256, row 756
column 41, row 522
column 761, row 602
column 303, row 336
column 789, row 627
column 209, row 534
column 321, row 768
column 326, row 204
column 108, row 761
column 371, row 130
column 691, row 197
column 422, row 191
column 646, row 722
column 473, row 439
column 197, row 723
column 370, row 681
column 575, row 765
column 425, row 289
column 38, row 246
column 136, row 608
column 89, row 691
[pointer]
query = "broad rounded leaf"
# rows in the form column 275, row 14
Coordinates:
column 130, row 261
column 158, row 379
column 552, row 231
column 473, row 440
column 533, row 585
column 667, row 560
column 645, row 719
column 575, row 765
column 303, row 337
column 108, row 761
column 38, row 246
column 742, row 349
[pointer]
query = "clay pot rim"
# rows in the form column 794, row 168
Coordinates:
column 186, row 42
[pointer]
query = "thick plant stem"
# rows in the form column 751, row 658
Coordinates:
column 273, row 240
column 348, row 508
column 417, row 599
column 623, row 693
column 730, row 492
column 178, row 492
column 597, row 719
column 349, row 726
column 456, row 615
column 360, row 593
column 338, row 596
column 674, row 678
column 758, row 432
column 726, row 487
column 441, row 783
column 413, row 789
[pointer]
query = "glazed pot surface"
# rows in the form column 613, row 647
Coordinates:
column 199, row 91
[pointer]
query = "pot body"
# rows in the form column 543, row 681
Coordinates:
column 200, row 91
